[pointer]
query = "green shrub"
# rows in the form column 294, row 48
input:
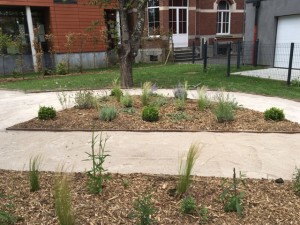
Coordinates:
column 108, row 113
column 296, row 182
column 150, row 114
column 180, row 104
column 188, row 205
column 46, row 113
column 117, row 92
column 127, row 101
column 274, row 114
column 225, row 108
column 84, row 100
column 203, row 102
column 185, row 170
column 144, row 210
column 61, row 68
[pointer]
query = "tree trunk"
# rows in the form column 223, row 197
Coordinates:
column 126, row 71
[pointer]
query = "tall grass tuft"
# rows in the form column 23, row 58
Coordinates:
column 146, row 91
column 185, row 170
column 225, row 109
column 62, row 199
column 34, row 165
column 203, row 101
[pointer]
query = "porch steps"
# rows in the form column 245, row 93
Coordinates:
column 185, row 54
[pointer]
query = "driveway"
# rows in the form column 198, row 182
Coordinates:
column 257, row 155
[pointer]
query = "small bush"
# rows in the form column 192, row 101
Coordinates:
column 108, row 113
column 46, row 113
column 188, row 205
column 34, row 165
column 117, row 92
column 203, row 102
column 296, row 182
column 150, row 114
column 274, row 114
column 296, row 82
column 127, row 101
column 225, row 108
column 180, row 104
column 61, row 68
column 144, row 210
column 84, row 100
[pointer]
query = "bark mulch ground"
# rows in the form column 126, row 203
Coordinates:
column 265, row 201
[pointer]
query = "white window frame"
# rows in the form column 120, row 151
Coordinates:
column 153, row 7
column 220, row 19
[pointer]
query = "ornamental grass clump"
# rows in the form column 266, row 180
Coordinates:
column 225, row 108
column 85, row 100
column 203, row 101
column 116, row 89
column 146, row 92
column 108, row 113
column 150, row 114
column 296, row 181
column 274, row 114
column 46, row 113
column 62, row 200
column 127, row 101
column 185, row 169
column 34, row 165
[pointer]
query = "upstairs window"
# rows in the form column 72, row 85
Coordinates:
column 65, row 1
column 223, row 21
column 153, row 17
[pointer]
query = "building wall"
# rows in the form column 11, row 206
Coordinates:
column 269, row 11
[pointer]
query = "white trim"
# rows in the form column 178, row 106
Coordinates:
column 31, row 37
column 118, row 25
column 222, row 11
column 152, row 7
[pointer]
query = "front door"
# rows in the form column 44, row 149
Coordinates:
column 178, row 25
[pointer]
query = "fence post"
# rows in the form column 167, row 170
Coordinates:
column 238, row 61
column 228, row 58
column 193, row 57
column 256, row 53
column 205, row 57
column 290, row 64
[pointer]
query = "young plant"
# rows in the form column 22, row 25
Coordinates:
column 231, row 197
column 62, row 200
column 296, row 182
column 146, row 92
column 180, row 104
column 203, row 101
column 116, row 90
column 188, row 205
column 84, row 100
column 274, row 114
column 7, row 218
column 180, row 91
column 150, row 114
column 97, row 175
column 144, row 210
column 61, row 68
column 34, row 165
column 64, row 99
column 204, row 215
column 46, row 113
column 127, row 101
column 225, row 108
column 107, row 113
column 185, row 170
column 178, row 116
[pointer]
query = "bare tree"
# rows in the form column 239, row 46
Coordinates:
column 130, row 36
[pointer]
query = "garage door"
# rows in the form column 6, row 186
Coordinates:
column 287, row 32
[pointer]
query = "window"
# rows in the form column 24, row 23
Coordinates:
column 223, row 22
column 66, row 1
column 153, row 17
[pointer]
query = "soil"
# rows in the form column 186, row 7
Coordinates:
column 264, row 202
column 170, row 119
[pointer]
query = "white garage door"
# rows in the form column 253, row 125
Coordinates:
column 288, row 31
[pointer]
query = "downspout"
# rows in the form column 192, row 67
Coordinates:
column 31, row 37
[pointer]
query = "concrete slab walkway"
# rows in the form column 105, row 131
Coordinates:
column 257, row 155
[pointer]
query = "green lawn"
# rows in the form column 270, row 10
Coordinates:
column 165, row 76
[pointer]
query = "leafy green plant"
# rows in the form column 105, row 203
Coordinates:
column 6, row 218
column 274, row 114
column 180, row 104
column 188, row 205
column 296, row 181
column 180, row 92
column 107, row 113
column 204, row 214
column 97, row 175
column 84, row 100
column 225, row 108
column 63, row 201
column 34, row 165
column 129, row 110
column 203, row 101
column 185, row 170
column 125, row 183
column 116, row 89
column 178, row 116
column 150, row 114
column 144, row 210
column 46, row 113
column 231, row 196
column 296, row 82
column 159, row 100
column 146, row 92
column 127, row 100
column 61, row 68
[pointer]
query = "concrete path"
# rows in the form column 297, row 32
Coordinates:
column 257, row 155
